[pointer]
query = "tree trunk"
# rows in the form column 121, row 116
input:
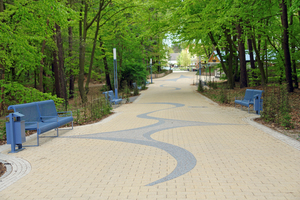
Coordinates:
column 71, row 83
column 61, row 69
column 243, row 76
column 35, row 79
column 108, row 83
column 41, row 76
column 236, row 61
column 285, row 46
column 266, row 60
column 82, row 47
column 41, row 88
column 259, row 62
column 1, row 6
column 71, row 80
column 92, row 54
column 13, row 73
column 207, row 54
column 294, row 65
column 56, row 74
column 251, row 53
column 230, row 60
column 218, row 52
column 82, row 42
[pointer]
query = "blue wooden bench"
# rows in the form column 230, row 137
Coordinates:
column 134, row 86
column 252, row 97
column 109, row 96
column 42, row 116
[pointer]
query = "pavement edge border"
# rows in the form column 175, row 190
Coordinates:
column 19, row 169
column 286, row 139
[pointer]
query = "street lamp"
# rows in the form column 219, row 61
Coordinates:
column 115, row 72
column 200, row 69
column 151, row 68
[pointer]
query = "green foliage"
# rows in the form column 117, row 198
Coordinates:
column 126, row 91
column 254, row 77
column 185, row 58
column 212, row 84
column 92, row 111
column 16, row 93
column 223, row 96
column 133, row 72
column 136, row 90
column 277, row 108
column 2, row 130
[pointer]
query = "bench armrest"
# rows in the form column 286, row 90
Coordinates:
column 48, row 116
column 31, row 122
column 66, row 113
column 43, row 117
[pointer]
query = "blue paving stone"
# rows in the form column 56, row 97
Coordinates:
column 186, row 161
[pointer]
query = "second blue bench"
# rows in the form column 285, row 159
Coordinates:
column 252, row 97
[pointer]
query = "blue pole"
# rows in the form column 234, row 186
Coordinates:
column 13, row 142
column 115, row 73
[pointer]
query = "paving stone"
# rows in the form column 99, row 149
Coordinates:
column 170, row 143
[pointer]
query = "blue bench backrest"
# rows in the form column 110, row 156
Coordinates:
column 29, row 110
column 248, row 95
column 47, row 108
column 258, row 92
column 111, row 95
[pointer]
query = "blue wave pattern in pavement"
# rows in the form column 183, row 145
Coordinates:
column 186, row 161
column 176, row 79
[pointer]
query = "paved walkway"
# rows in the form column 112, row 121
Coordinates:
column 171, row 143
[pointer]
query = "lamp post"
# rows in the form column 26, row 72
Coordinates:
column 115, row 72
column 151, row 68
column 200, row 69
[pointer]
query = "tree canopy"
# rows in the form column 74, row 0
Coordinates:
column 51, row 45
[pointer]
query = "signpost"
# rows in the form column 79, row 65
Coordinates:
column 115, row 73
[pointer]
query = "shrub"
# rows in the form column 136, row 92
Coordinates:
column 277, row 108
column 16, row 93
column 136, row 90
column 223, row 96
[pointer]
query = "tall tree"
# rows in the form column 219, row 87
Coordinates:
column 285, row 46
column 243, row 76
column 61, row 70
column 2, row 69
